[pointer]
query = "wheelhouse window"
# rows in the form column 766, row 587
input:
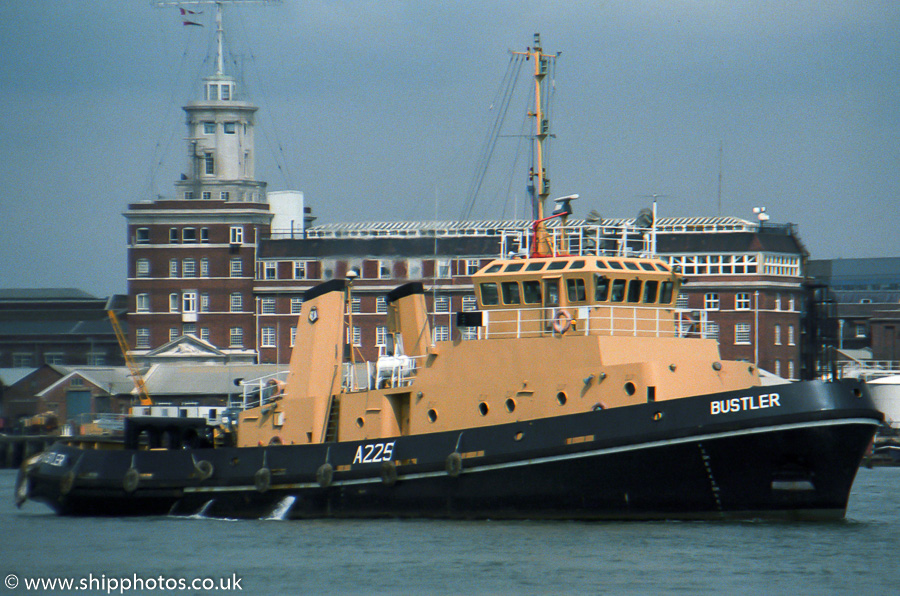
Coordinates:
column 665, row 294
column 575, row 290
column 531, row 291
column 551, row 292
column 618, row 290
column 489, row 294
column 650, row 290
column 634, row 290
column 601, row 288
column 510, row 291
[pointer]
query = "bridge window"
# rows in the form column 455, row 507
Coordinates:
column 650, row 289
column 575, row 288
column 536, row 266
column 615, row 265
column 510, row 292
column 577, row 265
column 489, row 295
column 618, row 290
column 551, row 292
column 556, row 265
column 647, row 266
column 532, row 291
column 665, row 294
column 634, row 290
column 514, row 267
column 601, row 288
column 602, row 265
column 632, row 266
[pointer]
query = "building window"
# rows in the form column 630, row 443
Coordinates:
column 742, row 334
column 173, row 267
column 188, row 195
column 237, row 302
column 189, row 302
column 189, row 235
column 224, row 195
column 204, row 333
column 385, row 269
column 778, row 301
column 189, row 268
column 791, row 374
column 711, row 331
column 381, row 336
column 469, row 303
column 204, row 267
column 206, row 195
column 142, row 335
column 778, row 368
column 55, row 358
column 142, row 236
column 293, row 336
column 236, row 235
column 209, row 163
column 443, row 268
column 97, row 359
column 777, row 335
column 357, row 336
column 189, row 329
column 143, row 303
column 742, row 301
column 209, row 128
column 236, row 337
column 860, row 330
column 267, row 305
column 270, row 271
column 301, row 270
column 142, row 268
column 22, row 360
column 470, row 333
column 356, row 306
column 791, row 335
column 267, row 337
column 173, row 333
column 792, row 306
column 442, row 304
column 173, row 235
column 681, row 301
column 381, row 305
column 204, row 235
column 711, row 301
column 173, row 302
column 237, row 268
column 228, row 127
column 441, row 333
column 472, row 266
column 296, row 305
column 204, row 302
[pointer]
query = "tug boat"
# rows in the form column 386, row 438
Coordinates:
column 580, row 392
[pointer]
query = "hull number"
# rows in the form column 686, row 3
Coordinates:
column 740, row 404
column 374, row 453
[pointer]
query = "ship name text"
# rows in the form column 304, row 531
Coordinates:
column 741, row 404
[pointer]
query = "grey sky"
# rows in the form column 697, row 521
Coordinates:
column 377, row 110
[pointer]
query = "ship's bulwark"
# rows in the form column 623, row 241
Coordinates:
column 674, row 460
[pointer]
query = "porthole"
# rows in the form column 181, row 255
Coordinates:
column 483, row 408
column 360, row 422
column 510, row 405
column 432, row 415
column 561, row 398
column 630, row 388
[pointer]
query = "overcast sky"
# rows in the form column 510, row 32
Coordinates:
column 378, row 109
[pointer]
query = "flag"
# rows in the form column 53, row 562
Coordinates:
column 184, row 13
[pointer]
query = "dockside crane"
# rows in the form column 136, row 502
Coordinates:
column 136, row 375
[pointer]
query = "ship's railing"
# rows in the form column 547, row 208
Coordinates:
column 387, row 371
column 261, row 391
column 595, row 240
column 867, row 369
column 630, row 321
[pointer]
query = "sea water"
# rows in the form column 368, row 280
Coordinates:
column 272, row 556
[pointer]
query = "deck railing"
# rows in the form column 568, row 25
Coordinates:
column 261, row 391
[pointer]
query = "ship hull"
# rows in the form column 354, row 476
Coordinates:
column 790, row 451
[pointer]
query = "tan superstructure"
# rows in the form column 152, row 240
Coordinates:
column 557, row 335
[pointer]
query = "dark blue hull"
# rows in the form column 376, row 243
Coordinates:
column 787, row 451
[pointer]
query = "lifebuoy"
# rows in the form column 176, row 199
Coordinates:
column 262, row 479
column 278, row 385
column 454, row 464
column 389, row 473
column 324, row 475
column 130, row 480
column 562, row 321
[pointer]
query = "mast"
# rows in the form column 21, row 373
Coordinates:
column 540, row 182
